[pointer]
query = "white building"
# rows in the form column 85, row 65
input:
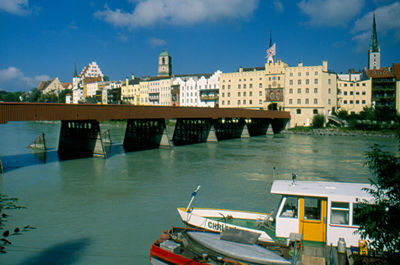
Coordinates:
column 200, row 90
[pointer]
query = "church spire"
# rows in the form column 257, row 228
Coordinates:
column 270, row 39
column 374, row 46
column 75, row 72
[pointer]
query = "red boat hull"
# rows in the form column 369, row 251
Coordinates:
column 172, row 258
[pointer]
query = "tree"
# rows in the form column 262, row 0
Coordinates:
column 343, row 114
column 379, row 219
column 318, row 121
column 34, row 95
column 63, row 94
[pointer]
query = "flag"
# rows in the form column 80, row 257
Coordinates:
column 271, row 51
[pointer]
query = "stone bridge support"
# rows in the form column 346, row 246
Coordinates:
column 192, row 131
column 278, row 125
column 229, row 128
column 258, row 127
column 80, row 139
column 143, row 134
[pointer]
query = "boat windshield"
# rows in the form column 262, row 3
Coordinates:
column 290, row 209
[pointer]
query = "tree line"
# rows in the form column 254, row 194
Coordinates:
column 35, row 95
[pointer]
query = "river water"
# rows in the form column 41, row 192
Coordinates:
column 109, row 211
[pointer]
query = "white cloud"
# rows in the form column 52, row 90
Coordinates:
column 15, row 7
column 177, row 12
column 330, row 13
column 278, row 6
column 12, row 79
column 157, row 42
column 387, row 21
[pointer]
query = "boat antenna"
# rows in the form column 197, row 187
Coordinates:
column 193, row 195
column 273, row 172
column 293, row 179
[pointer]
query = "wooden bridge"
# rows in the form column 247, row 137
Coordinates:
column 146, row 127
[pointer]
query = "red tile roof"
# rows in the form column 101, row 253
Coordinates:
column 384, row 72
column 396, row 70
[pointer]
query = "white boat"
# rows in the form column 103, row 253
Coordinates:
column 319, row 211
column 219, row 220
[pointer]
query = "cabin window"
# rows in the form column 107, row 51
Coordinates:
column 356, row 209
column 290, row 208
column 312, row 209
column 340, row 213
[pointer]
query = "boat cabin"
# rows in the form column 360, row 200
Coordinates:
column 320, row 211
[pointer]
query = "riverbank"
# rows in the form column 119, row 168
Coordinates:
column 338, row 132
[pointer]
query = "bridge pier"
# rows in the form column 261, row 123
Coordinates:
column 229, row 128
column 143, row 134
column 192, row 131
column 80, row 138
column 258, row 126
column 278, row 125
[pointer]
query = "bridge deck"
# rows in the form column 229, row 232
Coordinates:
column 55, row 111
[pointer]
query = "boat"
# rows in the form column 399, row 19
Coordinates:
column 317, row 211
column 195, row 246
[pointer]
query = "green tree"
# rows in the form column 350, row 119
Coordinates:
column 63, row 94
column 379, row 220
column 318, row 121
column 48, row 97
column 343, row 114
column 34, row 95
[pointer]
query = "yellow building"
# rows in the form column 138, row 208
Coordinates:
column 309, row 90
column 354, row 96
column 242, row 89
column 130, row 91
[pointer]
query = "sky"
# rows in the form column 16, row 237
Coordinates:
column 44, row 39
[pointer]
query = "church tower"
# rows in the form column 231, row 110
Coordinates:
column 164, row 64
column 374, row 51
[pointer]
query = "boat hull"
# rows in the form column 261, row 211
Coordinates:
column 206, row 219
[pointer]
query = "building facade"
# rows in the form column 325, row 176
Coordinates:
column 354, row 96
column 51, row 86
column 309, row 90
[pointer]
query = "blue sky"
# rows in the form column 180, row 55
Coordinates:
column 43, row 39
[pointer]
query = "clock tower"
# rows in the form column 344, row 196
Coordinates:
column 164, row 64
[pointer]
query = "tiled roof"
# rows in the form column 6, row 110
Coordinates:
column 66, row 85
column 44, row 84
column 383, row 72
column 396, row 70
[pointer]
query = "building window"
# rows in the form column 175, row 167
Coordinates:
column 251, row 93
column 329, row 81
column 307, row 101
column 316, row 73
column 239, row 86
column 351, row 102
column 291, row 74
column 229, row 102
column 271, row 96
column 298, row 101
column 251, row 102
column 244, row 94
column 238, row 94
column 223, row 103
column 345, row 102
column 329, row 90
column 363, row 84
column 260, row 85
column 229, row 86
column 329, row 101
column 298, row 111
column 299, row 73
column 299, row 90
column 315, row 101
column 291, row 91
column 244, row 102
column 290, row 101
column 307, row 81
column 345, row 93
column 315, row 81
column 299, row 82
column 223, row 86
column 223, row 95
column 315, row 90
column 238, row 102
column 307, row 90
column 357, row 93
column 251, row 86
column 290, row 82
column 260, row 101
column 315, row 111
column 357, row 102
column 363, row 102
column 351, row 93
column 260, row 93
column 307, row 73
column 244, row 86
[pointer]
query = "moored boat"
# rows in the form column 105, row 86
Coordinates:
column 194, row 247
column 321, row 212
